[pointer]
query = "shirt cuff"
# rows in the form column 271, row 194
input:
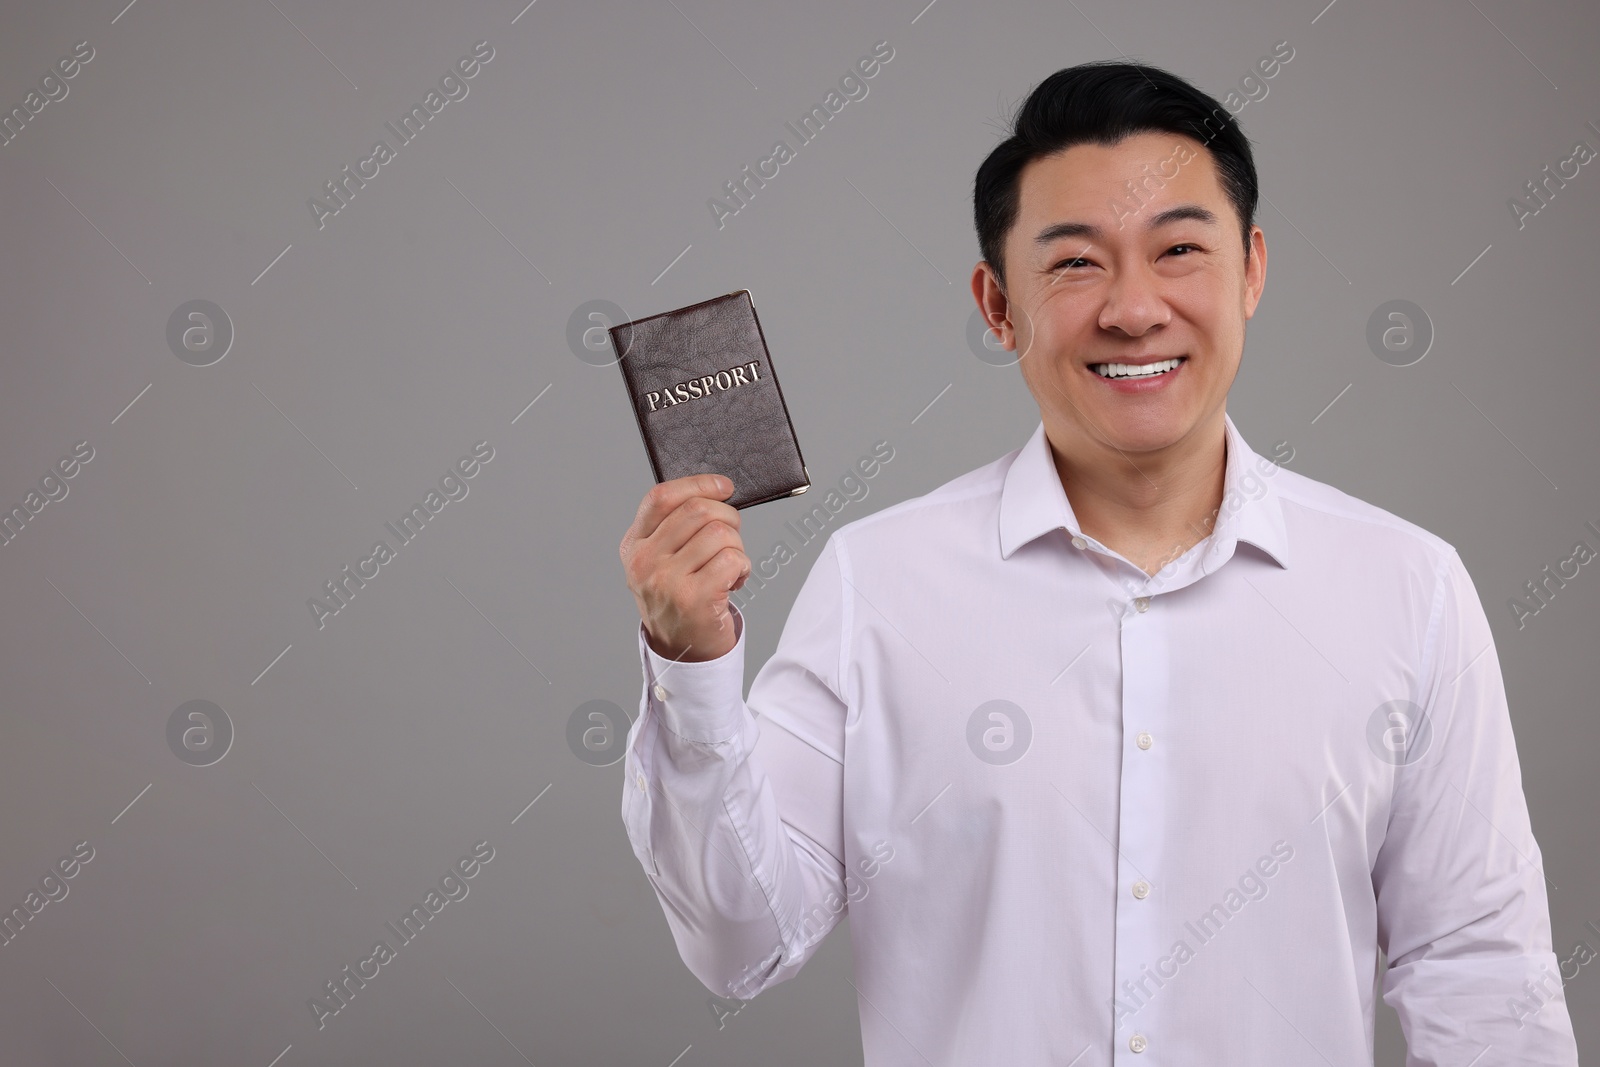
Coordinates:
column 697, row 700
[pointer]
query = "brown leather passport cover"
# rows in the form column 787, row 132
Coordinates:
column 707, row 400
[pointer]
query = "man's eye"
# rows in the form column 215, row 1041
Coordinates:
column 1175, row 248
column 1069, row 262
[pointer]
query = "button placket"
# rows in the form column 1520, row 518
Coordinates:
column 1146, row 699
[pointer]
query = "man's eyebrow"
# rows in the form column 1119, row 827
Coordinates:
column 1183, row 212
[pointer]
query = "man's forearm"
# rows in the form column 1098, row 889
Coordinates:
column 705, row 824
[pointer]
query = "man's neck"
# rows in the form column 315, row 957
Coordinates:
column 1150, row 507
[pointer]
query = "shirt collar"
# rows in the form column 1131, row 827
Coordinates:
column 1032, row 501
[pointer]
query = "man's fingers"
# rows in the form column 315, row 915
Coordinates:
column 712, row 556
column 664, row 498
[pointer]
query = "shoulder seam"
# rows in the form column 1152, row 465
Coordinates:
column 846, row 619
column 928, row 499
column 1388, row 520
column 1430, row 637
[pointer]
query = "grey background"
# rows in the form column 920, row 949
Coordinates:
column 434, row 308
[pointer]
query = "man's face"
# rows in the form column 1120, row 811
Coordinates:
column 1098, row 275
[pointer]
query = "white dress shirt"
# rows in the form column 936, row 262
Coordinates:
column 1083, row 815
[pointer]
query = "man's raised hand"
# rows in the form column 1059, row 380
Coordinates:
column 681, row 558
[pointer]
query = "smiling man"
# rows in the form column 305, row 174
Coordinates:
column 1178, row 831
column 1129, row 289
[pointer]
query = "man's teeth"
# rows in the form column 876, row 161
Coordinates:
column 1129, row 370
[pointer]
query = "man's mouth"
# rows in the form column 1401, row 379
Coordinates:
column 1136, row 371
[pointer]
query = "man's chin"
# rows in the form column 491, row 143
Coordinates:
column 1151, row 428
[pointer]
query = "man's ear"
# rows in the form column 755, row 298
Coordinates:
column 1255, row 271
column 993, row 303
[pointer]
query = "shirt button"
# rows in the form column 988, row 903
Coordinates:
column 641, row 783
column 1141, row 889
column 1145, row 740
column 1078, row 542
column 1137, row 1042
column 660, row 691
column 1142, row 603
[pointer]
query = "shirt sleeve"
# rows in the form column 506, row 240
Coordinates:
column 734, row 807
column 1462, row 911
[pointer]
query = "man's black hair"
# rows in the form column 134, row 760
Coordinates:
column 1102, row 102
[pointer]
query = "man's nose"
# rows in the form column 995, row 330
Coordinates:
column 1133, row 301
